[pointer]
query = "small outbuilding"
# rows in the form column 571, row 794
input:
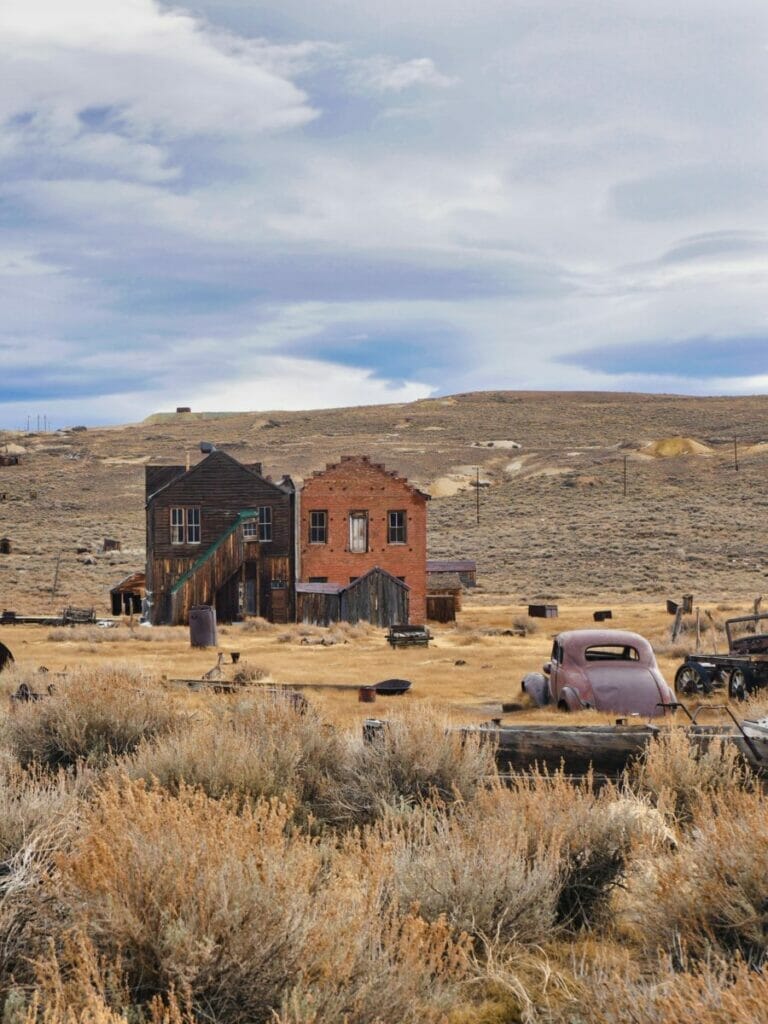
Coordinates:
column 128, row 595
column 465, row 568
column 377, row 597
column 443, row 596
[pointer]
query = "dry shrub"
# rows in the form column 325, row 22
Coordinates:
column 33, row 799
column 95, row 715
column 594, row 834
column 246, row 673
column 262, row 749
column 235, row 912
column 679, row 776
column 483, row 881
column 711, row 897
column 623, row 990
column 416, row 756
column 257, row 624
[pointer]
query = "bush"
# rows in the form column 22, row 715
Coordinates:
column 95, row 715
column 237, row 913
column 263, row 748
column 711, row 898
column 679, row 777
column 417, row 756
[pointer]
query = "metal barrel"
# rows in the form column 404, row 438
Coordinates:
column 202, row 626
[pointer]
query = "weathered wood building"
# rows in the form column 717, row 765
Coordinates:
column 443, row 596
column 127, row 596
column 357, row 516
column 377, row 597
column 219, row 534
column 465, row 569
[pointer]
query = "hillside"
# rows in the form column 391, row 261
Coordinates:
column 554, row 521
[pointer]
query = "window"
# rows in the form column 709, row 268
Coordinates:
column 265, row 523
column 396, row 533
column 318, row 527
column 358, row 532
column 611, row 652
column 185, row 525
column 318, row 579
column 260, row 527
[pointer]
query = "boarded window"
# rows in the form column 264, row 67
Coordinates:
column 318, row 527
column 318, row 579
column 396, row 532
column 185, row 525
column 358, row 532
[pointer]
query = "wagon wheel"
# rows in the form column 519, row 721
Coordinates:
column 689, row 681
column 737, row 684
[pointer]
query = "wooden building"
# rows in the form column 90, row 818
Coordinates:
column 127, row 596
column 465, row 569
column 357, row 516
column 443, row 596
column 377, row 597
column 219, row 534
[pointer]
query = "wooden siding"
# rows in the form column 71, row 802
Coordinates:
column 224, row 569
column 318, row 609
column 377, row 597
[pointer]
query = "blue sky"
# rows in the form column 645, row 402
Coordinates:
column 230, row 204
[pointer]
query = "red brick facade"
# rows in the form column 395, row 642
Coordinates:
column 376, row 495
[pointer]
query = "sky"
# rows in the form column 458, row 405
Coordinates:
column 240, row 205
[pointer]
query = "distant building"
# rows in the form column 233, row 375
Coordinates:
column 219, row 534
column 357, row 516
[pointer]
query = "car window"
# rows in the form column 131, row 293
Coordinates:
column 611, row 652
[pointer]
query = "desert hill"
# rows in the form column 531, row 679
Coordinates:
column 554, row 520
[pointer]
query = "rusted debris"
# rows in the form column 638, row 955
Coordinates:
column 110, row 544
column 404, row 635
column 601, row 616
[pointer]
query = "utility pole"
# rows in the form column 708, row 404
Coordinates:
column 736, row 454
column 477, row 493
column 626, row 459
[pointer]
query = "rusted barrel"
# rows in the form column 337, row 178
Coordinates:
column 366, row 694
column 202, row 626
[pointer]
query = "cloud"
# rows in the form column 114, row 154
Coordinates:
column 702, row 359
column 388, row 75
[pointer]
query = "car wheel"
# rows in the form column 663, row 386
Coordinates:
column 737, row 684
column 689, row 681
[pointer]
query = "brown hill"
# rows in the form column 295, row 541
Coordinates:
column 685, row 523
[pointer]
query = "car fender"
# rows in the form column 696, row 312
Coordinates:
column 571, row 699
column 536, row 686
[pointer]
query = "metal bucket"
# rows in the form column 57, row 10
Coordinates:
column 202, row 626
column 366, row 694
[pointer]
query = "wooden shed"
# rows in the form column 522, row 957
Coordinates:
column 443, row 596
column 128, row 594
column 465, row 568
column 377, row 597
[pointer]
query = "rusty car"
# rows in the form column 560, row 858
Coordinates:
column 605, row 669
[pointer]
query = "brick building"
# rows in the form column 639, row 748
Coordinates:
column 356, row 516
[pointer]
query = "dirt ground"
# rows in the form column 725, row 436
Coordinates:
column 463, row 672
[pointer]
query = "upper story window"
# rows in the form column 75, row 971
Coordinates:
column 185, row 525
column 358, row 532
column 318, row 527
column 396, row 527
column 260, row 527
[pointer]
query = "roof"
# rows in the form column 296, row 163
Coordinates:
column 318, row 588
column 444, row 581
column 451, row 565
column 338, row 588
column 217, row 455
column 136, row 581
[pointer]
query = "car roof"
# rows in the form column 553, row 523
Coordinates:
column 611, row 637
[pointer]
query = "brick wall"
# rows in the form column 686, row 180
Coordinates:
column 357, row 485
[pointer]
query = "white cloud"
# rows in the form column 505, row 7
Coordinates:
column 389, row 75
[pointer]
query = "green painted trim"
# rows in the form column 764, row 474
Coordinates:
column 202, row 559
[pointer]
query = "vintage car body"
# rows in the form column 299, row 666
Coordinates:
column 606, row 669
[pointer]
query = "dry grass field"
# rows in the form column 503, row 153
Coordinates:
column 170, row 857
